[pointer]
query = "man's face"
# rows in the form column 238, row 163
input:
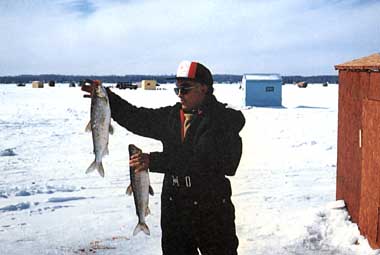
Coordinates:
column 191, row 94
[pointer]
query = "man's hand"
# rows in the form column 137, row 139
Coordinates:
column 90, row 87
column 140, row 162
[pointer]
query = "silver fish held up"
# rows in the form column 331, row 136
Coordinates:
column 100, row 126
column 140, row 187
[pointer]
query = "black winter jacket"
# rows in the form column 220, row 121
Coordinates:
column 211, row 149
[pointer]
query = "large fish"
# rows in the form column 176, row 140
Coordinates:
column 100, row 126
column 140, row 187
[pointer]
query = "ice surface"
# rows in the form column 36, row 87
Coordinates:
column 283, row 192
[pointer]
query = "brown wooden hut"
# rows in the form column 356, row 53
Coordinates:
column 358, row 164
column 37, row 84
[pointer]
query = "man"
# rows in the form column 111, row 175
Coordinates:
column 201, row 146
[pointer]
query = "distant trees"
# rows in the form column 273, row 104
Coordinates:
column 218, row 78
column 311, row 79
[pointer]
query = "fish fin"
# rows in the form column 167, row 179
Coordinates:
column 141, row 227
column 147, row 211
column 129, row 190
column 151, row 192
column 92, row 167
column 101, row 169
column 111, row 129
column 88, row 127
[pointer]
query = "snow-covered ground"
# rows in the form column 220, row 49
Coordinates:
column 284, row 189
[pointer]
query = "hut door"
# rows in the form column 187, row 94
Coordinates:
column 349, row 151
column 370, row 181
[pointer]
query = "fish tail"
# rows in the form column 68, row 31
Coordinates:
column 96, row 165
column 101, row 169
column 141, row 226
column 92, row 167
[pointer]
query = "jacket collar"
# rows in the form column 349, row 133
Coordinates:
column 205, row 106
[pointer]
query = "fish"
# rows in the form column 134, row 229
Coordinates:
column 140, row 188
column 100, row 126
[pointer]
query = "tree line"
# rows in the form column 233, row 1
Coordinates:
column 218, row 78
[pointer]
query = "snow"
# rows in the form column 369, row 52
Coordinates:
column 283, row 192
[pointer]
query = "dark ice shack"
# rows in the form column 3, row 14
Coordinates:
column 358, row 163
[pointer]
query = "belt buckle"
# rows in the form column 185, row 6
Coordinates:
column 175, row 180
column 188, row 181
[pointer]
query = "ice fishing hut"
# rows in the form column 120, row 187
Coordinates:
column 358, row 162
column 148, row 84
column 37, row 84
column 262, row 89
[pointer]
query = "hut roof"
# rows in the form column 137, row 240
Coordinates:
column 371, row 62
column 261, row 76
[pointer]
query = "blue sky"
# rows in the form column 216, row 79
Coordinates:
column 290, row 37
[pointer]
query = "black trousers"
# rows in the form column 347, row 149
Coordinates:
column 189, row 226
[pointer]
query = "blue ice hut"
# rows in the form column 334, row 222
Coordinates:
column 262, row 89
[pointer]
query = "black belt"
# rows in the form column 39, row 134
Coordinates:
column 181, row 181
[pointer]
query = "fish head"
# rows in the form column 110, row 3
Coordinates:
column 133, row 149
column 100, row 91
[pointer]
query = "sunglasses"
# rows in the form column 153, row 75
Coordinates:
column 184, row 89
